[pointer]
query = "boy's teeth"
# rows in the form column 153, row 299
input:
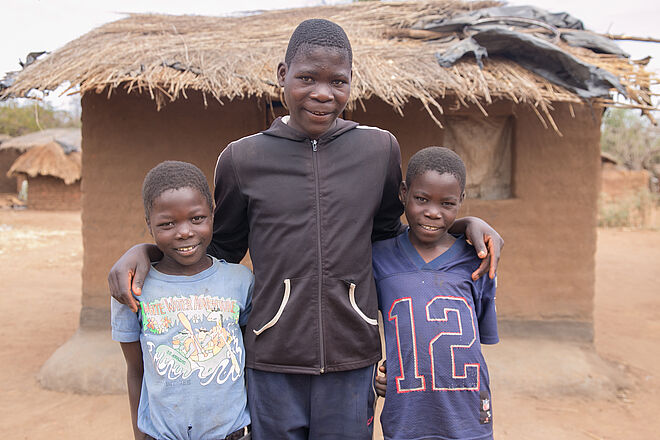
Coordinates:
column 429, row 228
column 187, row 248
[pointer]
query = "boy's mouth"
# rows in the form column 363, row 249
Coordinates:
column 315, row 113
column 430, row 228
column 186, row 249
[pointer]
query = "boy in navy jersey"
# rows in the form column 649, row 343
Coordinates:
column 436, row 317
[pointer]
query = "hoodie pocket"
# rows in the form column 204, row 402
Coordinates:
column 280, row 310
column 351, row 299
column 350, row 326
column 286, row 332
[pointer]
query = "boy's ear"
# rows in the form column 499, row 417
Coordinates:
column 403, row 190
column 462, row 197
column 149, row 226
column 281, row 73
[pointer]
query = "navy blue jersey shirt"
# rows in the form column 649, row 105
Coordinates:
column 436, row 319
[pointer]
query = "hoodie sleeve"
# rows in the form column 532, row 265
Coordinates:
column 387, row 221
column 230, row 222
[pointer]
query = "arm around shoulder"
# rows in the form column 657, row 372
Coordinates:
column 387, row 221
column 127, row 275
column 486, row 241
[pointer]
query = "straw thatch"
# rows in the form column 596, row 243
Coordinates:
column 48, row 160
column 68, row 137
column 236, row 57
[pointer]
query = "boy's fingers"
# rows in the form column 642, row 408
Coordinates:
column 490, row 258
column 119, row 289
column 495, row 245
column 479, row 245
column 126, row 296
column 482, row 269
column 138, row 279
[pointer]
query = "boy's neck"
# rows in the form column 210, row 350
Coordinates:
column 171, row 267
column 287, row 119
column 431, row 251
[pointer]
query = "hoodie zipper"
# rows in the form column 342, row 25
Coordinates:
column 318, row 245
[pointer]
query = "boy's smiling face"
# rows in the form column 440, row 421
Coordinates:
column 431, row 202
column 182, row 226
column 317, row 84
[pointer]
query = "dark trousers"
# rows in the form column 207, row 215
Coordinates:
column 300, row 406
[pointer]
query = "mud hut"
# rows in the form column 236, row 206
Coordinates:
column 160, row 87
column 52, row 172
column 12, row 148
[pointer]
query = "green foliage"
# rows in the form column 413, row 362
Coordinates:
column 630, row 138
column 634, row 210
column 17, row 119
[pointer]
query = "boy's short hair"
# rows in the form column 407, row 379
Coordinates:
column 173, row 174
column 317, row 32
column 439, row 159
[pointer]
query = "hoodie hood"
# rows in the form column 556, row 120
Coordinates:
column 280, row 128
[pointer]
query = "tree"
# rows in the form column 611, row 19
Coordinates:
column 18, row 119
column 630, row 138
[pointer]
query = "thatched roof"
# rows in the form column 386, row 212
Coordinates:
column 48, row 160
column 68, row 137
column 236, row 57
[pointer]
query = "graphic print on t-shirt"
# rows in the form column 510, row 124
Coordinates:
column 203, row 337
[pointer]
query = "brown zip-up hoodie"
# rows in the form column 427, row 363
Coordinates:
column 308, row 211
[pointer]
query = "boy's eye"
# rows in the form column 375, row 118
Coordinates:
column 165, row 225
column 448, row 203
column 338, row 82
column 198, row 218
column 420, row 199
column 305, row 78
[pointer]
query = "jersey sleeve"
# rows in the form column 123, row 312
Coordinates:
column 230, row 223
column 387, row 221
column 486, row 312
column 125, row 324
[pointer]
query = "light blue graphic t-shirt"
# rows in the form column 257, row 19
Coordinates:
column 192, row 350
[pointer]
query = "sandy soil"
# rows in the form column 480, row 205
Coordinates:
column 542, row 389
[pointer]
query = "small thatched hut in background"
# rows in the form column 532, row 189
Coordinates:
column 53, row 176
column 50, row 162
column 160, row 87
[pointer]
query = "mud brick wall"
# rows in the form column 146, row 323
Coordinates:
column 549, row 222
column 49, row 193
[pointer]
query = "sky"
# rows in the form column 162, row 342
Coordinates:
column 37, row 25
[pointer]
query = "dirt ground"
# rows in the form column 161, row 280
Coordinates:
column 542, row 389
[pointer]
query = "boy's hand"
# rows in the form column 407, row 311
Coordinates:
column 488, row 244
column 127, row 276
column 381, row 381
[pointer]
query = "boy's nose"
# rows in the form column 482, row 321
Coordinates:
column 184, row 231
column 322, row 92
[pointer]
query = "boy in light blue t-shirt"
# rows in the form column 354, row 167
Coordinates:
column 184, row 348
